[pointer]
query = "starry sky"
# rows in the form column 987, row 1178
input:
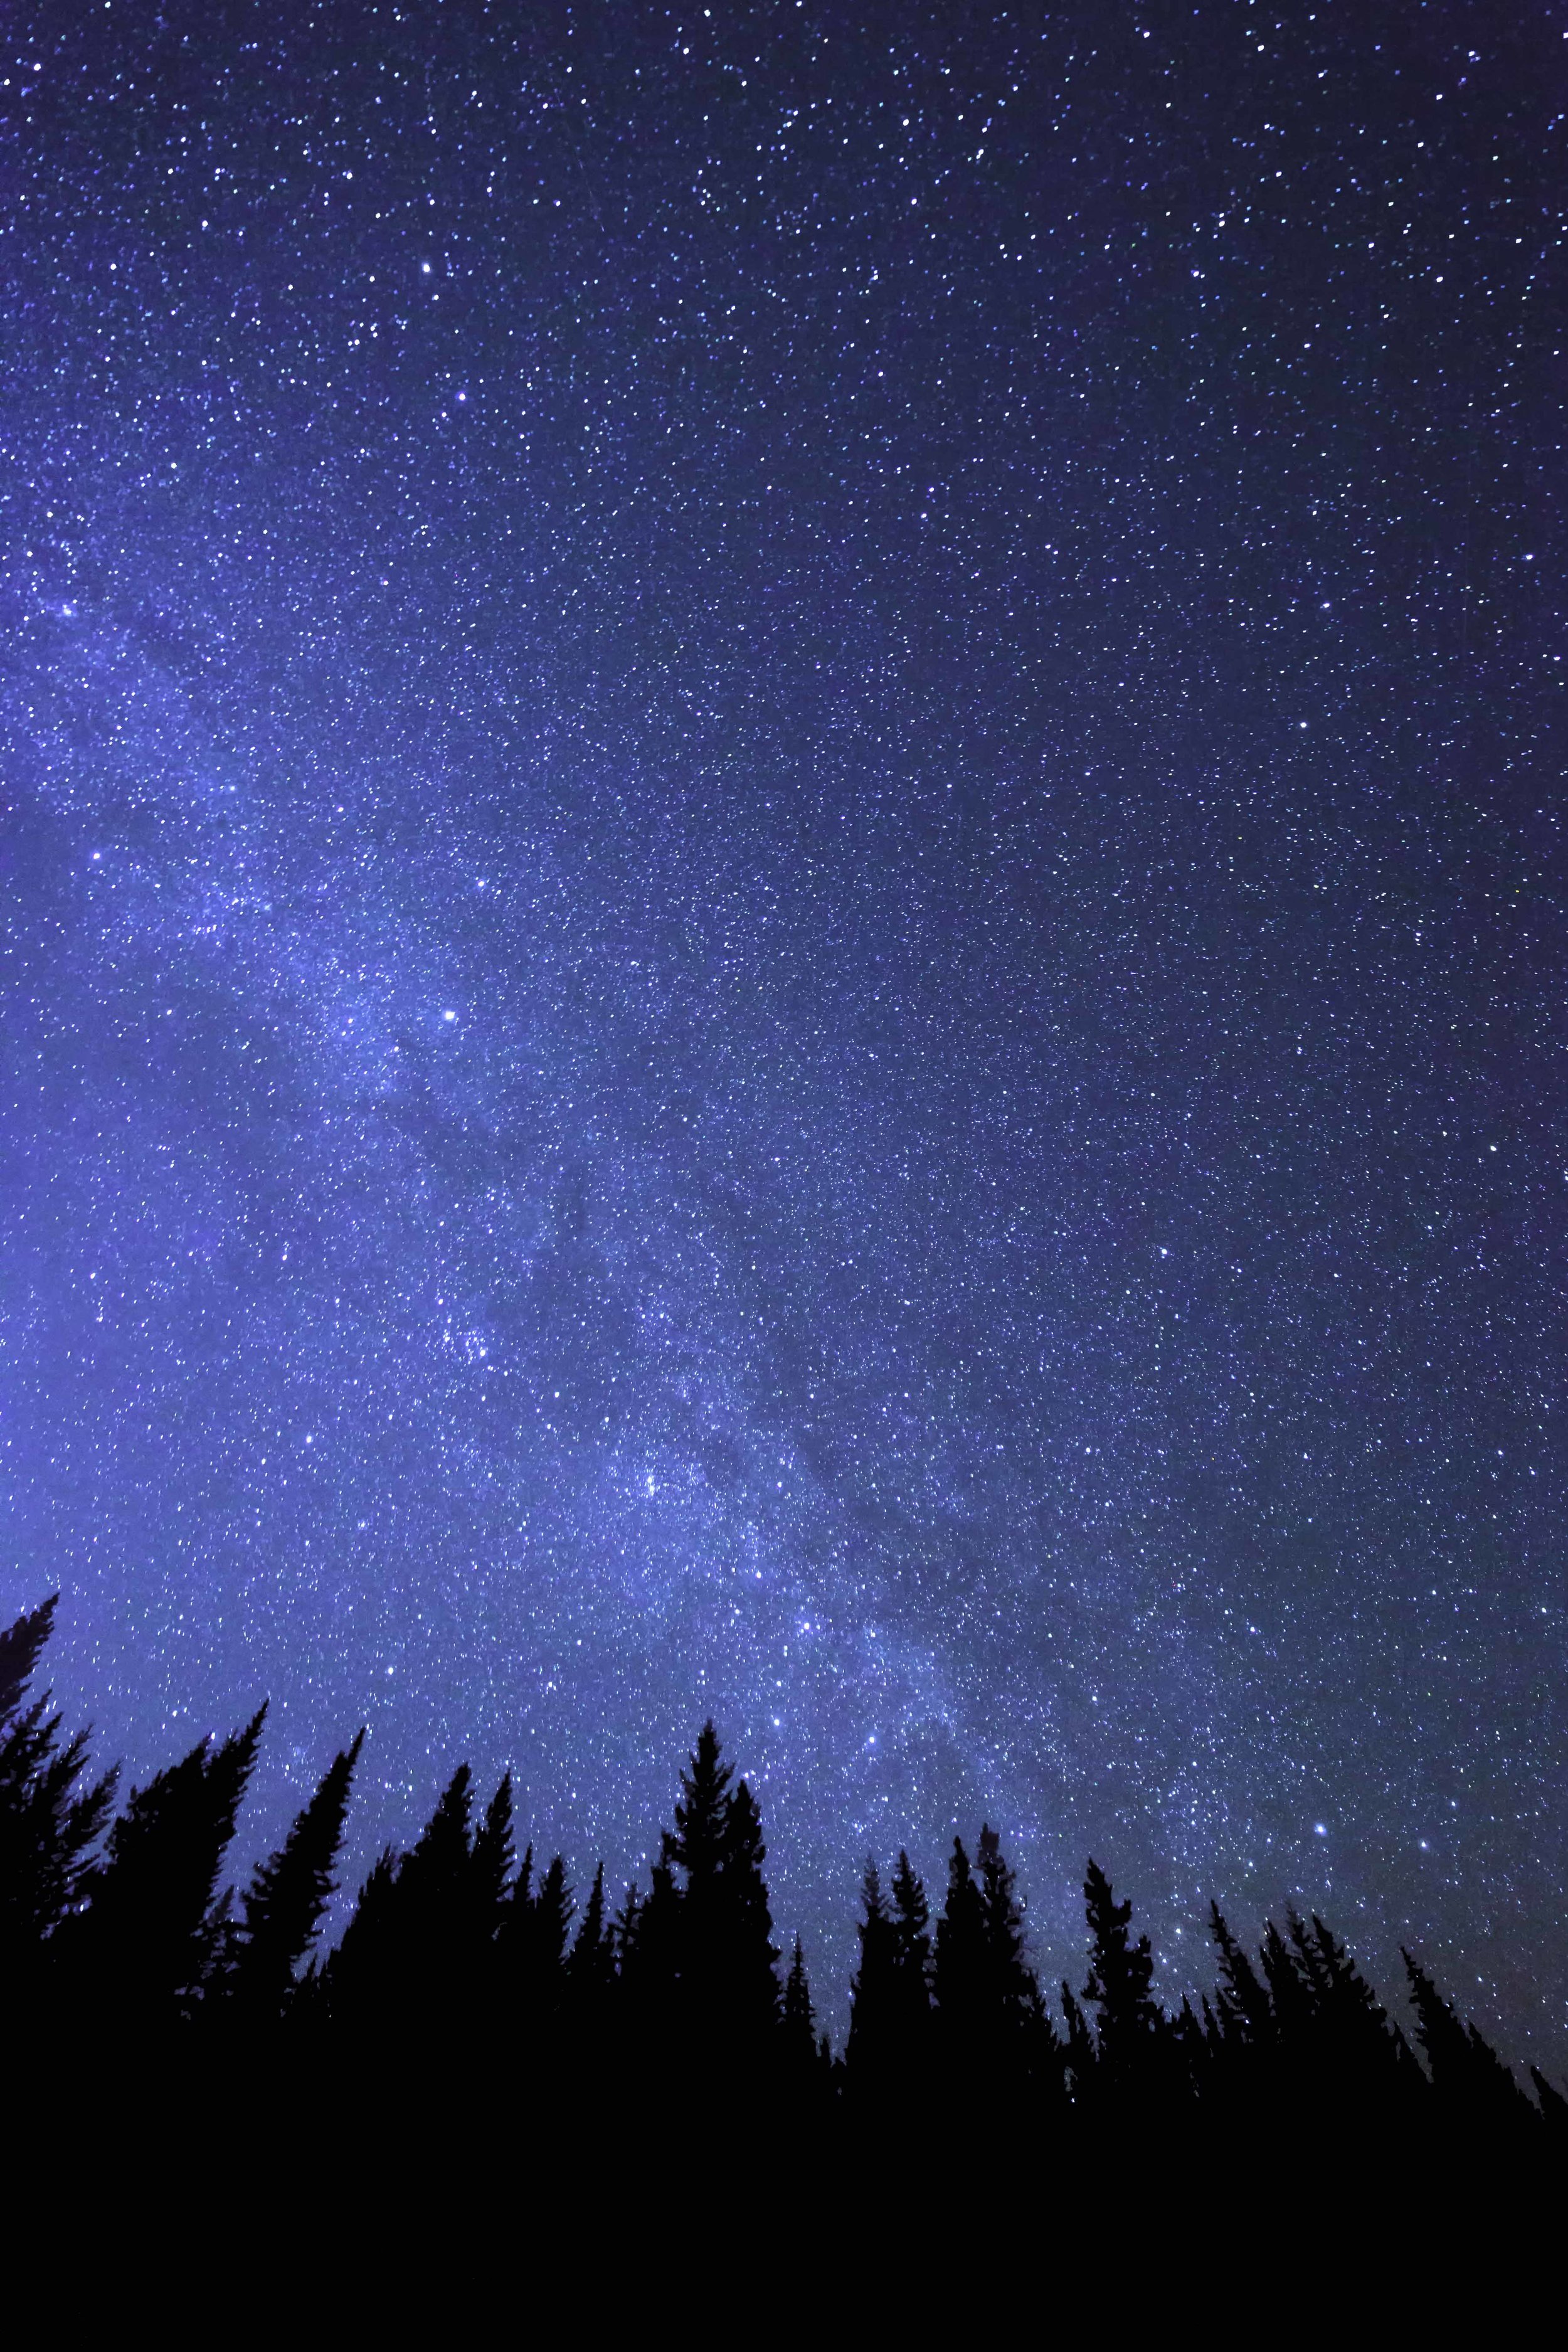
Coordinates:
column 783, row 930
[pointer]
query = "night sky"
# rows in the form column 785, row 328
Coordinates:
column 784, row 932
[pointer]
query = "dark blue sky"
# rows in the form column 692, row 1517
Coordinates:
column 783, row 930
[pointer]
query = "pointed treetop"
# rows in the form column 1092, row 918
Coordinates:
column 21, row 1645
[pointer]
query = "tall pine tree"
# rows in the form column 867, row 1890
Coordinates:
column 143, row 1952
column 1129, row 2022
column 48, row 1823
column 286, row 1900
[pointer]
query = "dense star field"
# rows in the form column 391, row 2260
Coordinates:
column 784, row 932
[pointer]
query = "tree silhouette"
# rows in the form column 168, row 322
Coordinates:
column 1474, row 2090
column 591, row 1969
column 288, row 1897
column 959, row 1974
column 871, row 2052
column 703, row 1953
column 115, row 1934
column 1128, row 2020
column 802, row 2053
column 153, row 1924
column 21, row 1646
column 490, row 1872
column 48, row 1826
column 912, row 1962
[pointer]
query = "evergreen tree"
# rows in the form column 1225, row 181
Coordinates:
column 1366, row 2050
column 991, row 2028
column 1081, row 2058
column 21, row 1646
column 800, row 2046
column 49, row 1826
column 912, row 1938
column 1128, row 2020
column 959, row 1975
column 873, row 2049
column 355, row 1987
column 393, row 1978
column 153, row 1928
column 1472, row 2087
column 1245, row 2013
column 490, row 1872
column 591, row 1970
column 553, row 1910
column 705, row 1957
column 624, row 1932
column 752, row 1958
column 1292, row 1997
column 288, row 1897
column 1011, row 1993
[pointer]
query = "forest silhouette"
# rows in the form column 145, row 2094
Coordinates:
column 463, row 1962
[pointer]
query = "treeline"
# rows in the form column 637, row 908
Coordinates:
column 459, row 1954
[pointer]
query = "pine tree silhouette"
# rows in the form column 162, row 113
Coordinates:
column 357, row 1981
column 490, row 1871
column 47, row 1827
column 1244, row 2010
column 959, row 1973
column 911, row 2014
column 1473, row 2090
column 288, row 1897
column 802, row 2056
column 552, row 1911
column 448, row 1957
column 992, row 2034
column 1012, row 1991
column 144, row 1948
column 591, row 1969
column 1081, row 2056
column 390, row 1982
column 872, row 2053
column 704, row 1949
column 21, row 1646
column 1128, row 2020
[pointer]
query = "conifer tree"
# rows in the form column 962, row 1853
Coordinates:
column 591, row 1969
column 991, row 2031
column 911, row 1924
column 695, row 1845
column 356, row 1985
column 1472, row 2087
column 1367, row 2051
column 21, row 1646
column 490, row 1871
column 1011, row 1993
column 1244, row 2010
column 624, row 1930
column 912, row 1931
column 553, row 1910
column 1080, row 2056
column 959, row 1973
column 800, row 2046
column 288, row 1897
column 394, row 1972
column 1120, row 1972
column 705, row 1945
column 49, row 1826
column 751, row 2005
column 872, row 2051
column 148, row 1938
column 1293, row 1997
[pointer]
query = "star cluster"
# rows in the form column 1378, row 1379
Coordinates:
column 783, row 930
